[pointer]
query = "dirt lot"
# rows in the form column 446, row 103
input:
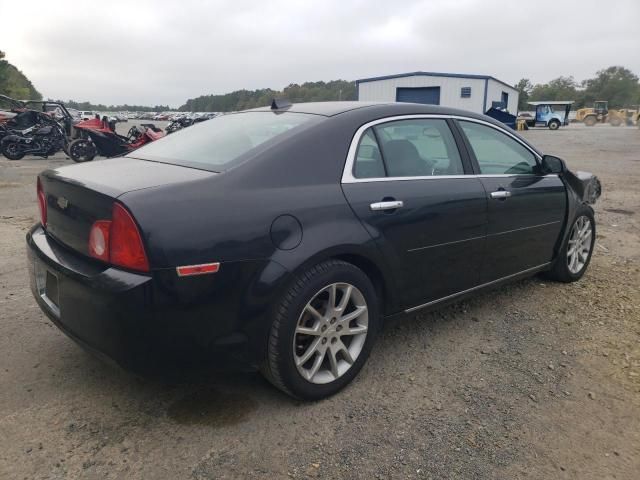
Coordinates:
column 535, row 380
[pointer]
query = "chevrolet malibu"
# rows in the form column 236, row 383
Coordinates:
column 282, row 238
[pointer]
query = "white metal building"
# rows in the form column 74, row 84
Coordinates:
column 477, row 93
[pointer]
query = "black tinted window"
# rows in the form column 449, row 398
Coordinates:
column 221, row 142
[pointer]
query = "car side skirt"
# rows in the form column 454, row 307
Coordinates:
column 493, row 283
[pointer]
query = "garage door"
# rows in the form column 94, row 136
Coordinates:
column 428, row 95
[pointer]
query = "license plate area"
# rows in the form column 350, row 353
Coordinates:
column 47, row 288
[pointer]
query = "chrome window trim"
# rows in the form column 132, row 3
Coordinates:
column 347, row 173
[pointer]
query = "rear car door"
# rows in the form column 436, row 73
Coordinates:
column 526, row 208
column 405, row 180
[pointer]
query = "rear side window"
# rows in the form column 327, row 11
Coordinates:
column 222, row 142
column 496, row 152
column 408, row 148
column 368, row 158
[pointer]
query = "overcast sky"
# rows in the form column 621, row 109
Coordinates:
column 164, row 52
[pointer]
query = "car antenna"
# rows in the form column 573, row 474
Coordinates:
column 280, row 103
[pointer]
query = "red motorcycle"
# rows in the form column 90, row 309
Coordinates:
column 99, row 138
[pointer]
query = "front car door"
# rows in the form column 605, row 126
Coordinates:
column 405, row 180
column 526, row 207
column 543, row 114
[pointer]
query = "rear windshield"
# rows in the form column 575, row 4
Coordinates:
column 222, row 142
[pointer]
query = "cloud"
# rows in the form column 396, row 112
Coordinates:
column 164, row 52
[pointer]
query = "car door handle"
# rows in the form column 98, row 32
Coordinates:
column 500, row 194
column 389, row 205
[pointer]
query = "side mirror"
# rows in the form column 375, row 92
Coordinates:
column 551, row 164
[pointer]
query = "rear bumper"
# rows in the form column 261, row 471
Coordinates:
column 142, row 321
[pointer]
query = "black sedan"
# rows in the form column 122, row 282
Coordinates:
column 282, row 238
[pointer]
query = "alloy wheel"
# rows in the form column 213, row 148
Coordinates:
column 330, row 333
column 579, row 246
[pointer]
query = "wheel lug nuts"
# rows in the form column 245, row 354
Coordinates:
column 324, row 328
column 324, row 340
column 332, row 321
column 338, row 328
column 334, row 340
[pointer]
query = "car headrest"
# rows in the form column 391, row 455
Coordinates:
column 403, row 159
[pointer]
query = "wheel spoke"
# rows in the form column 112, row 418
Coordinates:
column 345, row 319
column 357, row 330
column 316, row 364
column 309, row 308
column 341, row 347
column 313, row 348
column 332, row 297
column 333, row 362
column 315, row 330
column 571, row 259
column 344, row 301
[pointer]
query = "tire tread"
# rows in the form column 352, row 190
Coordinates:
column 270, row 366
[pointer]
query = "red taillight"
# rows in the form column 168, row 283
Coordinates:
column 126, row 249
column 118, row 241
column 42, row 204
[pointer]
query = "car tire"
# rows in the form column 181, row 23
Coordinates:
column 345, row 354
column 554, row 125
column 564, row 270
column 81, row 150
column 590, row 120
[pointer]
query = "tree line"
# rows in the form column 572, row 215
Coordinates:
column 244, row 99
column 14, row 84
column 618, row 85
column 114, row 108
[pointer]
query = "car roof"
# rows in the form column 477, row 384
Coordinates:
column 330, row 109
column 553, row 102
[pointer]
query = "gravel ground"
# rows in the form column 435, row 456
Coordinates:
column 534, row 380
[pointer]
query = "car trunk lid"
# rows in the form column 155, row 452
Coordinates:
column 78, row 195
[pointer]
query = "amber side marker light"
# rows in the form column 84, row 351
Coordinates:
column 190, row 270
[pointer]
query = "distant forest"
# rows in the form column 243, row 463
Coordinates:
column 244, row 99
column 14, row 84
column 616, row 84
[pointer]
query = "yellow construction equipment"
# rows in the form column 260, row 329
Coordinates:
column 600, row 113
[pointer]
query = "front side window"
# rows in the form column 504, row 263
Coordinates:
column 222, row 142
column 408, row 148
column 496, row 152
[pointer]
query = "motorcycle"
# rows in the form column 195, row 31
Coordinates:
column 43, row 138
column 179, row 124
column 102, row 140
column 23, row 123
